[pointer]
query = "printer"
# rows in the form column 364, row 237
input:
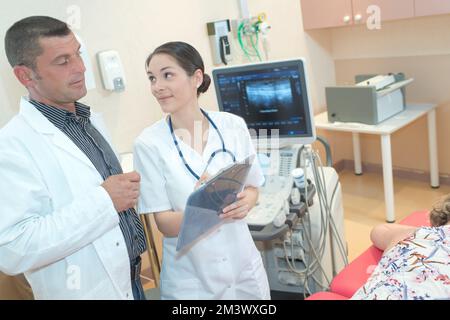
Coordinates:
column 373, row 99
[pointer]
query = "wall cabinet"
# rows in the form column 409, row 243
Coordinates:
column 389, row 9
column 326, row 13
column 335, row 13
column 431, row 7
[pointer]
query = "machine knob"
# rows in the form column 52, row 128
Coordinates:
column 358, row 17
column 347, row 19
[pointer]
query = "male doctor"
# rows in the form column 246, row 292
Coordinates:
column 66, row 219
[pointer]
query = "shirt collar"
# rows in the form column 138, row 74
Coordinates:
column 59, row 117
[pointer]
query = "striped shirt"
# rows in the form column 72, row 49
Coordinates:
column 83, row 134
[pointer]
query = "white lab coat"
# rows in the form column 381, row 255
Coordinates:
column 225, row 264
column 58, row 226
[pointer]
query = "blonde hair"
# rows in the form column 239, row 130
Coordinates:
column 440, row 214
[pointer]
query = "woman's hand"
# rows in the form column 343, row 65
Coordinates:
column 203, row 179
column 246, row 200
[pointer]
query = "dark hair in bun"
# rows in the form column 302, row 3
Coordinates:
column 187, row 57
column 205, row 84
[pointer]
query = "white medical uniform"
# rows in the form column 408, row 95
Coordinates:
column 58, row 226
column 225, row 264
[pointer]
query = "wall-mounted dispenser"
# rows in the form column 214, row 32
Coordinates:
column 111, row 70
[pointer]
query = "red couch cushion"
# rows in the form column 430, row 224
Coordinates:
column 418, row 218
column 352, row 277
column 326, row 296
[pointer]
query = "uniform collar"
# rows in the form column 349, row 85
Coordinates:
column 59, row 117
column 41, row 123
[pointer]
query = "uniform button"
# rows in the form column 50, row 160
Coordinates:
column 136, row 237
column 117, row 244
column 224, row 259
column 128, row 295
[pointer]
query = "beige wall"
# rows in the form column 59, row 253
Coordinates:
column 419, row 47
column 136, row 27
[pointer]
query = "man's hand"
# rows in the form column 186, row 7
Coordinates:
column 246, row 200
column 123, row 190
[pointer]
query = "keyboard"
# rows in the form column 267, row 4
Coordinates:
column 272, row 200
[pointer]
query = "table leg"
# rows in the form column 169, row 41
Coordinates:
column 357, row 154
column 387, row 177
column 432, row 149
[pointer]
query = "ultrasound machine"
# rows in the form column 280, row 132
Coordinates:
column 289, row 225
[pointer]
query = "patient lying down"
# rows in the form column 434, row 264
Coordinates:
column 416, row 261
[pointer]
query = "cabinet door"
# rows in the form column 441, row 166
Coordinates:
column 389, row 9
column 431, row 7
column 326, row 13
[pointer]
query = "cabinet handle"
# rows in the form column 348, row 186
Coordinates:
column 358, row 17
column 347, row 19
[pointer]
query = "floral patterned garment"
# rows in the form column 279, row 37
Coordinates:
column 417, row 268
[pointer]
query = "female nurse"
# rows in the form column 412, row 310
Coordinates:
column 172, row 156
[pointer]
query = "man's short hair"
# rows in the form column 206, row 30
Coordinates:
column 22, row 39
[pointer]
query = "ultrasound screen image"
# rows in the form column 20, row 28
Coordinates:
column 270, row 94
column 269, row 97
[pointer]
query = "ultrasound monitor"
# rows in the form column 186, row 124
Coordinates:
column 269, row 96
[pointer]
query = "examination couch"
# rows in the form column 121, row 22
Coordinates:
column 356, row 273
